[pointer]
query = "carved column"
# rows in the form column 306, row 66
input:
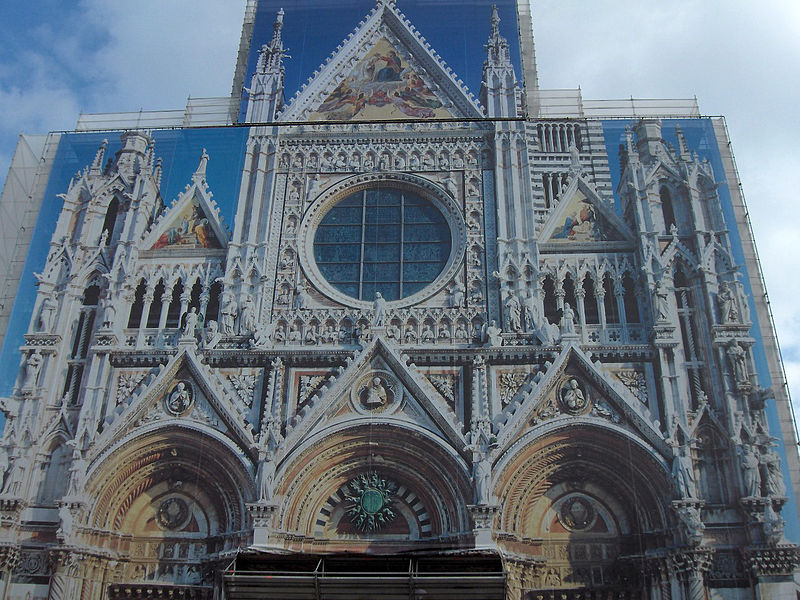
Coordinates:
column 65, row 581
column 166, row 298
column 691, row 566
column 580, row 298
column 147, row 302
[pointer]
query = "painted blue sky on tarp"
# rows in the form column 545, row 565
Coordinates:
column 179, row 151
column 701, row 139
column 313, row 29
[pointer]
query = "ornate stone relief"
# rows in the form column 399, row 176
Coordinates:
column 377, row 391
column 244, row 385
column 510, row 383
column 127, row 382
column 447, row 386
column 635, row 381
column 371, row 498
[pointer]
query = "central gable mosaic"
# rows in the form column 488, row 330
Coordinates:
column 381, row 86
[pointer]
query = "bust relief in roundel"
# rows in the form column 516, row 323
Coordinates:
column 573, row 396
column 395, row 234
column 180, row 398
column 577, row 513
column 377, row 392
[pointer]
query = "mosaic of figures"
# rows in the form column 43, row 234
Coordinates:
column 189, row 229
column 381, row 86
column 583, row 223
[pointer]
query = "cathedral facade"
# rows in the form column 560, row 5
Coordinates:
column 387, row 338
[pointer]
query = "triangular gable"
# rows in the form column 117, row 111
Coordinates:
column 583, row 217
column 203, row 399
column 593, row 395
column 401, row 394
column 384, row 70
column 192, row 221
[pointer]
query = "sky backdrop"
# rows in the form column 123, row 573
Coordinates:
column 739, row 58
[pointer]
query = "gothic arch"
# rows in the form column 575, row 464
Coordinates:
column 134, row 483
column 622, row 481
column 432, row 486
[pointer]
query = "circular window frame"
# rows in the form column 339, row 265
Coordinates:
column 426, row 189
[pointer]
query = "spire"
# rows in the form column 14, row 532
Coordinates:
column 499, row 85
column 200, row 173
column 270, row 57
column 498, row 53
column 266, row 86
column 97, row 163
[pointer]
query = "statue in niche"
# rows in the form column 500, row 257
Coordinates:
column 32, row 367
column 393, row 332
column 729, row 311
column 491, row 335
column 16, row 477
column 109, row 314
column 462, row 335
column 660, row 300
column 311, row 335
column 247, row 318
column 567, row 320
column 530, row 312
column 513, row 313
column 574, row 158
column 77, row 473
column 190, row 319
column 375, row 393
column 3, row 466
column 427, row 336
column 775, row 484
column 312, row 187
column 280, row 334
column 481, row 477
column 228, row 313
column 451, row 187
column 262, row 336
column 294, row 335
column 411, row 335
column 750, row 471
column 265, row 476
column 737, row 357
column 457, row 294
column 46, row 314
column 379, row 311
column 683, row 472
column 301, row 297
column 212, row 335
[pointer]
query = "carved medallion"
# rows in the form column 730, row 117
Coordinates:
column 173, row 513
column 180, row 398
column 572, row 397
column 377, row 391
column 371, row 498
column 576, row 513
